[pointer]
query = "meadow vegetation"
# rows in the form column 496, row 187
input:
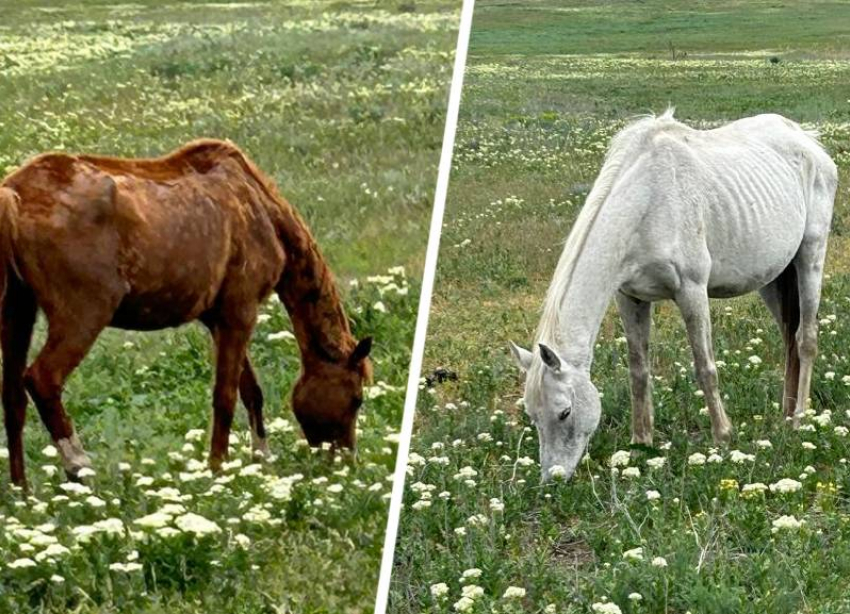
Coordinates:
column 343, row 105
column 762, row 525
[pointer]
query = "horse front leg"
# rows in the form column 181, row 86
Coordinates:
column 637, row 321
column 231, row 347
column 692, row 300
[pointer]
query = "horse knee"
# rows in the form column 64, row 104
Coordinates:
column 639, row 372
column 223, row 405
column 14, row 423
column 14, row 396
column 807, row 343
column 707, row 374
column 40, row 385
column 252, row 397
column 640, row 382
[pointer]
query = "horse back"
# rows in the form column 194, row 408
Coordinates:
column 175, row 236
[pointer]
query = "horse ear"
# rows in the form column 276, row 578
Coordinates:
column 522, row 357
column 550, row 357
column 360, row 352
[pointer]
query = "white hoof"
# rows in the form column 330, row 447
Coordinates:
column 73, row 455
column 260, row 446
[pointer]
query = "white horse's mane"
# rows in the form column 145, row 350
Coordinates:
column 623, row 146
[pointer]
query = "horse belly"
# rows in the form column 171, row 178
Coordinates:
column 747, row 258
column 175, row 265
column 163, row 308
column 754, row 217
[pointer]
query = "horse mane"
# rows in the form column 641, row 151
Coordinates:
column 623, row 148
column 306, row 268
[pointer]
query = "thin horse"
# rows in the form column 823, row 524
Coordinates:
column 199, row 234
column 682, row 214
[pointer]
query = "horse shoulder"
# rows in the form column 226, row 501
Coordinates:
column 253, row 216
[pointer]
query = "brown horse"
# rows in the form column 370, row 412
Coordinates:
column 200, row 234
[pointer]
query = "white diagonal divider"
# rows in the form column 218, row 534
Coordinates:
column 424, row 306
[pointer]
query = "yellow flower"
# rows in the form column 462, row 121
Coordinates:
column 729, row 484
column 828, row 489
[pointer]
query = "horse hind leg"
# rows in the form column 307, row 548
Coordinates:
column 18, row 320
column 252, row 397
column 637, row 321
column 71, row 334
column 809, row 265
column 783, row 300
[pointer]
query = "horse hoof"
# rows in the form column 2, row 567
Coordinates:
column 215, row 465
column 21, row 486
column 722, row 436
column 77, row 471
column 641, row 442
column 74, row 457
column 260, row 448
column 794, row 420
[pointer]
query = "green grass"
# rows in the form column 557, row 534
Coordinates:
column 343, row 104
column 534, row 127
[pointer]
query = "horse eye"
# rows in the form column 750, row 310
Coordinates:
column 563, row 415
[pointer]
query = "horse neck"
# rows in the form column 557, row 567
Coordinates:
column 598, row 272
column 307, row 290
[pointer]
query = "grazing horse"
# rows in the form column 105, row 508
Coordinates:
column 199, row 234
column 682, row 214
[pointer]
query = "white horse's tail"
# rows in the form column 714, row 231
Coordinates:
column 624, row 147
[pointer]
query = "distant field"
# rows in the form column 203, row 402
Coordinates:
column 343, row 104
column 548, row 84
column 541, row 27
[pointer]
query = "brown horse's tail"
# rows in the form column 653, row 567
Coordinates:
column 8, row 234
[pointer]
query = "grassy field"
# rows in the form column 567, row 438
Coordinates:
column 343, row 104
column 700, row 530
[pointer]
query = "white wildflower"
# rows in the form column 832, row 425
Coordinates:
column 656, row 463
column 635, row 554
column 21, row 564
column 606, row 608
column 156, row 520
column 514, row 592
column 787, row 523
column 439, row 590
column 659, row 561
column 193, row 523
column 786, row 485
column 620, row 458
column 739, row 458
column 696, row 459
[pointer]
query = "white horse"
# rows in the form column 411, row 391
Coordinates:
column 682, row 214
